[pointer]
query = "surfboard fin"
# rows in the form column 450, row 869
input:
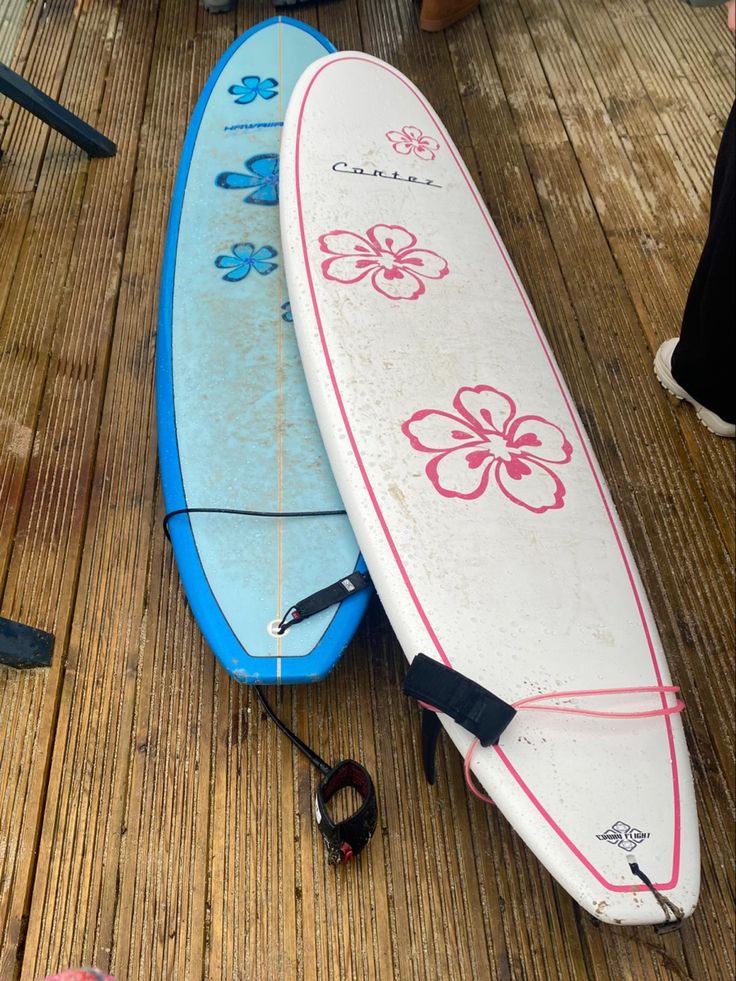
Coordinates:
column 431, row 727
column 439, row 688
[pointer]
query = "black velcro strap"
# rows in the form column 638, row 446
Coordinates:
column 325, row 598
column 345, row 839
column 468, row 703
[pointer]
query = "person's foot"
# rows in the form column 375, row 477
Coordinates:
column 663, row 371
column 436, row 15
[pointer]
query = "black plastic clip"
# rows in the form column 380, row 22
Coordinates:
column 471, row 705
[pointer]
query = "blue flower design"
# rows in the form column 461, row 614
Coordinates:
column 263, row 177
column 245, row 258
column 287, row 315
column 252, row 86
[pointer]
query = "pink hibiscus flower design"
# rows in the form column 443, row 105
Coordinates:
column 387, row 254
column 410, row 139
column 485, row 440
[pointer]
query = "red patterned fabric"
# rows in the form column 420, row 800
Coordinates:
column 81, row 974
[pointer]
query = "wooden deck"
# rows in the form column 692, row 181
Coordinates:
column 150, row 821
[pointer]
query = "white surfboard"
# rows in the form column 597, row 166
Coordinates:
column 472, row 488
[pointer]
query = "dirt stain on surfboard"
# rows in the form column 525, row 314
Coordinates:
column 398, row 495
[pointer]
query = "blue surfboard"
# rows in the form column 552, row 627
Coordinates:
column 243, row 468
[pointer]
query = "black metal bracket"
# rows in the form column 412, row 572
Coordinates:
column 24, row 647
column 54, row 114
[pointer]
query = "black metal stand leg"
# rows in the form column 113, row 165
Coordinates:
column 218, row 6
column 293, row 4
column 24, row 647
column 69, row 125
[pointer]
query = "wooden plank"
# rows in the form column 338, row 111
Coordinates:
column 664, row 63
column 272, row 896
column 45, row 562
column 12, row 13
column 156, row 889
column 703, row 52
column 635, row 99
column 33, row 289
column 41, row 54
column 164, row 865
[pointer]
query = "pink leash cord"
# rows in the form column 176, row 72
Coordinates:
column 530, row 704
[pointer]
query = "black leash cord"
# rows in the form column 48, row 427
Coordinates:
column 672, row 914
column 344, row 839
column 246, row 514
column 314, row 759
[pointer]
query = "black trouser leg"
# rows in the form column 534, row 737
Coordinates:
column 703, row 361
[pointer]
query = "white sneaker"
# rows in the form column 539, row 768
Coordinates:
column 663, row 371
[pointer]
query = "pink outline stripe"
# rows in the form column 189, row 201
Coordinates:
column 379, row 514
